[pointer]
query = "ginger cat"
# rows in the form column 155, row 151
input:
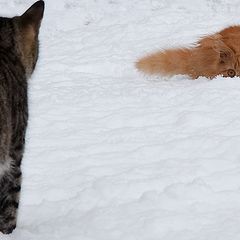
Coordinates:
column 217, row 54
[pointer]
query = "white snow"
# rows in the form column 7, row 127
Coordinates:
column 115, row 155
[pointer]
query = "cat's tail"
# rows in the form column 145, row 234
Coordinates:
column 167, row 62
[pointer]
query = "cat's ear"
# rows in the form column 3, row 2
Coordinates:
column 33, row 16
column 225, row 55
column 216, row 43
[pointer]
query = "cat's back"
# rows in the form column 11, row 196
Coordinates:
column 231, row 37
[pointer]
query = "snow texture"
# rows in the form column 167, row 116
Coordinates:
column 112, row 154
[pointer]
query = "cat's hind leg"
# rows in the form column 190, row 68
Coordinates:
column 10, row 185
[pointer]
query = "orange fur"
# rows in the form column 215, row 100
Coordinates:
column 213, row 55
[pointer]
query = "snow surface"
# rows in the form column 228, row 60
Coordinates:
column 115, row 155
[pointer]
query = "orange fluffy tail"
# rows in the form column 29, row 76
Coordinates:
column 168, row 62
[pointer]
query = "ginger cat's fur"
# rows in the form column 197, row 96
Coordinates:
column 217, row 54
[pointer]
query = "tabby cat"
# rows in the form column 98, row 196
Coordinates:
column 18, row 57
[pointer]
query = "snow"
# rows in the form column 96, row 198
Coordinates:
column 112, row 154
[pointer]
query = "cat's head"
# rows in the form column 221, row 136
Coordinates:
column 27, row 29
column 20, row 35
